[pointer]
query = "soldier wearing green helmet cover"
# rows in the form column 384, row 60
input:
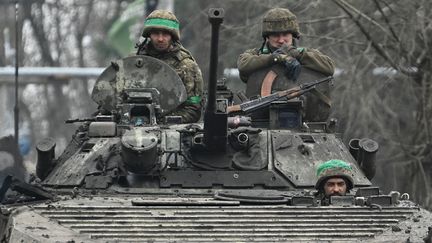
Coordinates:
column 335, row 178
column 161, row 37
column 280, row 31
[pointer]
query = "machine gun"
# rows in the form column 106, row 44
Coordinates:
column 139, row 106
column 292, row 93
column 91, row 119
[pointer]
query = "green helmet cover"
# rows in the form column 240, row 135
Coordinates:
column 334, row 168
column 162, row 20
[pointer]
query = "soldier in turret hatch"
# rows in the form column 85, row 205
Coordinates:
column 335, row 178
column 280, row 32
column 160, row 40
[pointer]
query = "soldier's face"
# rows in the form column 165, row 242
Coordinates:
column 335, row 187
column 278, row 39
column 161, row 40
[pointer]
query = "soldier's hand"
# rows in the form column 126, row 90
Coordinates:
column 293, row 68
column 281, row 58
column 290, row 50
column 292, row 65
column 295, row 52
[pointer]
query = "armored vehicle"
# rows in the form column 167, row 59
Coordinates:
column 133, row 173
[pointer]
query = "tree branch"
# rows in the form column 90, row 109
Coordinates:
column 344, row 6
column 39, row 32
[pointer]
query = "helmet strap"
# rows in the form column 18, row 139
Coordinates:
column 261, row 50
column 142, row 42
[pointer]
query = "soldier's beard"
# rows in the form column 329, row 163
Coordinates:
column 161, row 46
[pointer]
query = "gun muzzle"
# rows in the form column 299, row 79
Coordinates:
column 243, row 139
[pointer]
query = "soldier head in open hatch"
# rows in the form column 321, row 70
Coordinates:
column 163, row 28
column 161, row 39
column 335, row 178
column 279, row 27
column 280, row 30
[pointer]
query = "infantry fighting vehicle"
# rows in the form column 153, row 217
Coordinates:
column 129, row 175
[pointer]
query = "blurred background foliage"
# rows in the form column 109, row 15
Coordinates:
column 382, row 50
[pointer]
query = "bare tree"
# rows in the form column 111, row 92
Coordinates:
column 398, row 36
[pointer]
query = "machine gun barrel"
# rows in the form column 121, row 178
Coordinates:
column 80, row 120
column 92, row 119
column 292, row 93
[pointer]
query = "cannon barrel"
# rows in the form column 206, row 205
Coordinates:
column 216, row 16
column 215, row 116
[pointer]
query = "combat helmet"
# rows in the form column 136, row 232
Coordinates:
column 162, row 20
column 280, row 20
column 334, row 168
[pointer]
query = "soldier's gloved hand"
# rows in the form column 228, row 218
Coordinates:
column 293, row 68
column 290, row 51
column 280, row 58
column 292, row 65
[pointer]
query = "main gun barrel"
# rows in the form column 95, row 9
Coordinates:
column 215, row 116
column 216, row 16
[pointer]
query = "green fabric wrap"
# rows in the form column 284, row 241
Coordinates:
column 333, row 164
column 194, row 100
column 162, row 22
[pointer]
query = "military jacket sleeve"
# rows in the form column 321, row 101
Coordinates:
column 315, row 60
column 250, row 61
column 190, row 74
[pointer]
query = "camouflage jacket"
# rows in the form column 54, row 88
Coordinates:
column 184, row 64
column 254, row 59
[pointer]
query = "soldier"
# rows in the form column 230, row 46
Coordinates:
column 335, row 178
column 280, row 32
column 162, row 35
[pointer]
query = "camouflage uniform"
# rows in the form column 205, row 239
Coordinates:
column 179, row 59
column 281, row 20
